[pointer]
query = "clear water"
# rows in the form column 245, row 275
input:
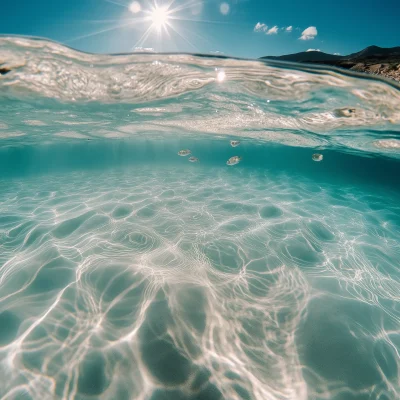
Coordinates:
column 128, row 272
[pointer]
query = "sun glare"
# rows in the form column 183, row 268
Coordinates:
column 162, row 19
column 221, row 76
column 159, row 17
column 160, row 22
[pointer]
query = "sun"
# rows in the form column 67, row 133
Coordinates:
column 159, row 17
column 162, row 19
column 159, row 22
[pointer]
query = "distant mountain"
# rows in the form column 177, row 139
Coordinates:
column 373, row 59
column 376, row 52
column 315, row 56
column 306, row 56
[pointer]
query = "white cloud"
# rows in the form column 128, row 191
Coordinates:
column 260, row 27
column 273, row 30
column 313, row 50
column 336, row 54
column 309, row 33
column 143, row 50
column 289, row 28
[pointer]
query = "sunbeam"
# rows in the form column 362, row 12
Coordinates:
column 184, row 39
column 201, row 37
column 201, row 21
column 186, row 6
column 98, row 32
column 159, row 17
column 116, row 3
column 142, row 39
column 158, row 21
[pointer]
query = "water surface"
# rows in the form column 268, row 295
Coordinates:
column 128, row 272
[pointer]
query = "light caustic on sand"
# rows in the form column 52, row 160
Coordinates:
column 122, row 285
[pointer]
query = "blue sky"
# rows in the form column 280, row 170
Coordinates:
column 228, row 26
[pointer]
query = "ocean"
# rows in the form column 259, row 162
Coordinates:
column 180, row 226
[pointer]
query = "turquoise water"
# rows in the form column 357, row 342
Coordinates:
column 128, row 272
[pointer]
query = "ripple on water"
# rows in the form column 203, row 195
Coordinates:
column 191, row 303
column 212, row 298
column 36, row 234
column 386, row 358
column 235, row 225
column 223, row 255
column 137, row 240
column 270, row 211
column 286, row 228
column 122, row 314
column 20, row 229
column 93, row 379
column 6, row 220
column 55, row 274
column 122, row 211
column 167, row 194
column 239, row 208
column 320, row 231
column 66, row 228
column 163, row 360
column 330, row 348
column 173, row 204
column 9, row 325
column 300, row 252
column 147, row 212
